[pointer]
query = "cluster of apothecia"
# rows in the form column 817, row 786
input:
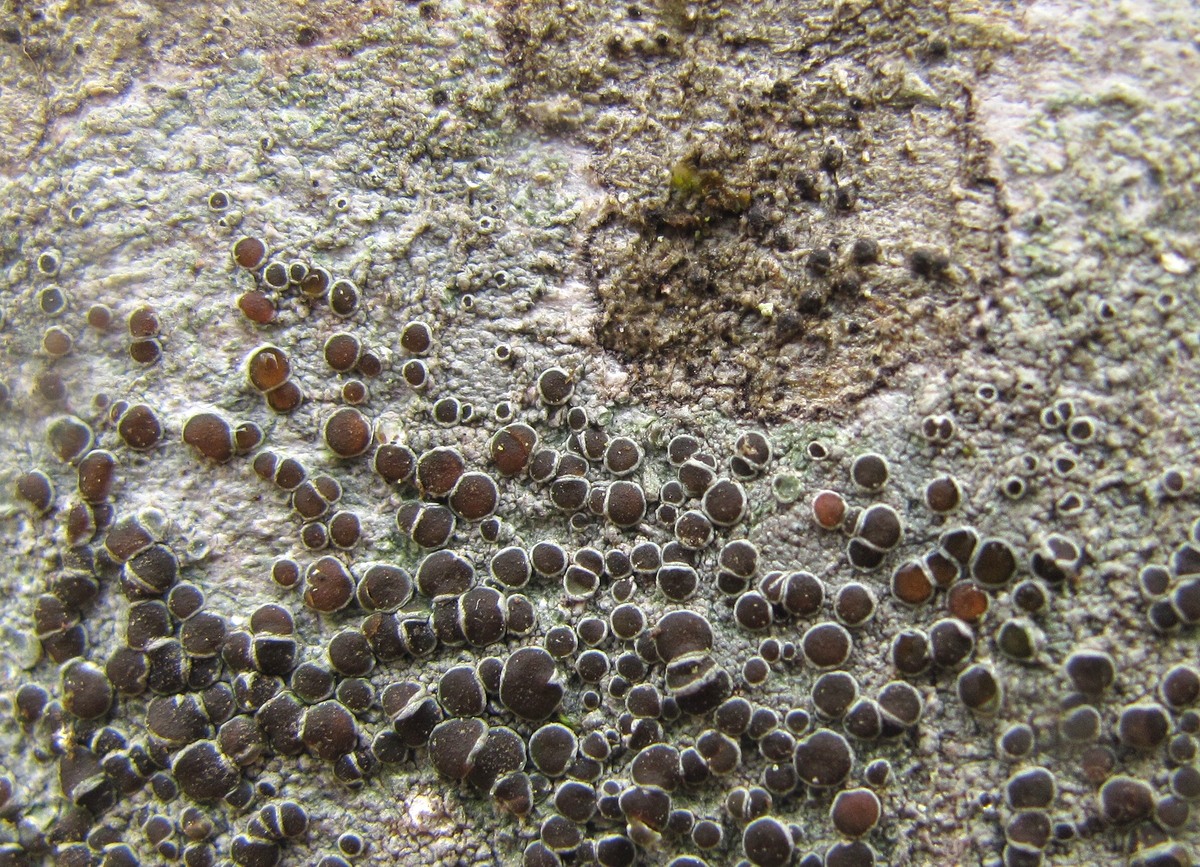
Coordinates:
column 571, row 662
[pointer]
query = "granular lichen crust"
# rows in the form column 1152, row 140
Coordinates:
column 540, row 433
column 783, row 228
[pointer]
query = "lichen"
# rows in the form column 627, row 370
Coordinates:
column 788, row 407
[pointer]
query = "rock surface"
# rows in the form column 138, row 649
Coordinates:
column 958, row 236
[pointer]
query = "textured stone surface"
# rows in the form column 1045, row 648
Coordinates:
column 639, row 194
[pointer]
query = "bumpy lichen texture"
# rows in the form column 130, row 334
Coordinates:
column 595, row 433
column 744, row 157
